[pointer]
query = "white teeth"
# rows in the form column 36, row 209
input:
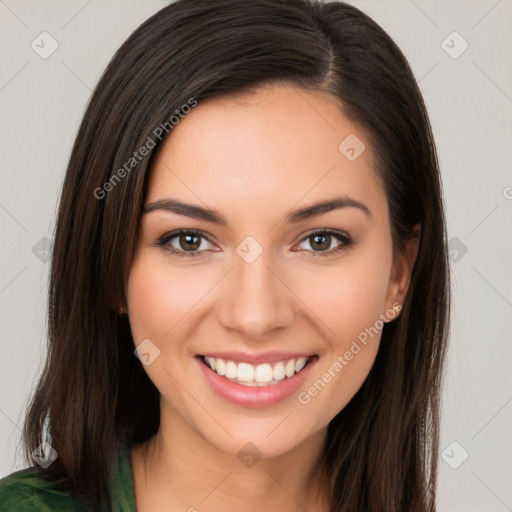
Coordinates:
column 263, row 373
column 220, row 366
column 245, row 372
column 279, row 371
column 260, row 375
column 231, row 370
column 299, row 364
column 290, row 368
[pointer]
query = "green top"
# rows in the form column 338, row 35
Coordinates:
column 27, row 491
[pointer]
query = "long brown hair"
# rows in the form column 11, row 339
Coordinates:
column 382, row 448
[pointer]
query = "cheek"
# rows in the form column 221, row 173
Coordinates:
column 349, row 300
column 158, row 299
column 160, row 304
column 350, row 296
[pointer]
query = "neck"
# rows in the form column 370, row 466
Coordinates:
column 178, row 469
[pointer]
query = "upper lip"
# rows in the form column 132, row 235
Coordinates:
column 254, row 359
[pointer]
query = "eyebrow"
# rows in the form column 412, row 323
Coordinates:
column 198, row 212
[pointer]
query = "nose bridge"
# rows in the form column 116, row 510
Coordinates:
column 256, row 300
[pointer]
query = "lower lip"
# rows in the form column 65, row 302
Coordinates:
column 247, row 396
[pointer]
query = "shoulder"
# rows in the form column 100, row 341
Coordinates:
column 27, row 491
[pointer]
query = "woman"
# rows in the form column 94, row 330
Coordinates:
column 249, row 293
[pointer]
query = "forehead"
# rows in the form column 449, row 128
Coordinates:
column 280, row 145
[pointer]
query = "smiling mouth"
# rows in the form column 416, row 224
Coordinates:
column 260, row 375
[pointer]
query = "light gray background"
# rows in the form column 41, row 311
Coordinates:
column 469, row 99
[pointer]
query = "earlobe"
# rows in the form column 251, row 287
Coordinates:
column 402, row 271
column 392, row 312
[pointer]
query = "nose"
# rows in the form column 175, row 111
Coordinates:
column 256, row 299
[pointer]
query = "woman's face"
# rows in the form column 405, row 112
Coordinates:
column 265, row 287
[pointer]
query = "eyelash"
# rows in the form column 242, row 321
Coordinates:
column 346, row 240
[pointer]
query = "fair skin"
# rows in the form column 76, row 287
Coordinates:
column 254, row 159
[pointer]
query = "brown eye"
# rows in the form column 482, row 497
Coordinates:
column 184, row 243
column 189, row 241
column 320, row 242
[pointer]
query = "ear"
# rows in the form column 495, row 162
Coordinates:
column 403, row 264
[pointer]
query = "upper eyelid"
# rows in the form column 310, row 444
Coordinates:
column 173, row 234
column 169, row 236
